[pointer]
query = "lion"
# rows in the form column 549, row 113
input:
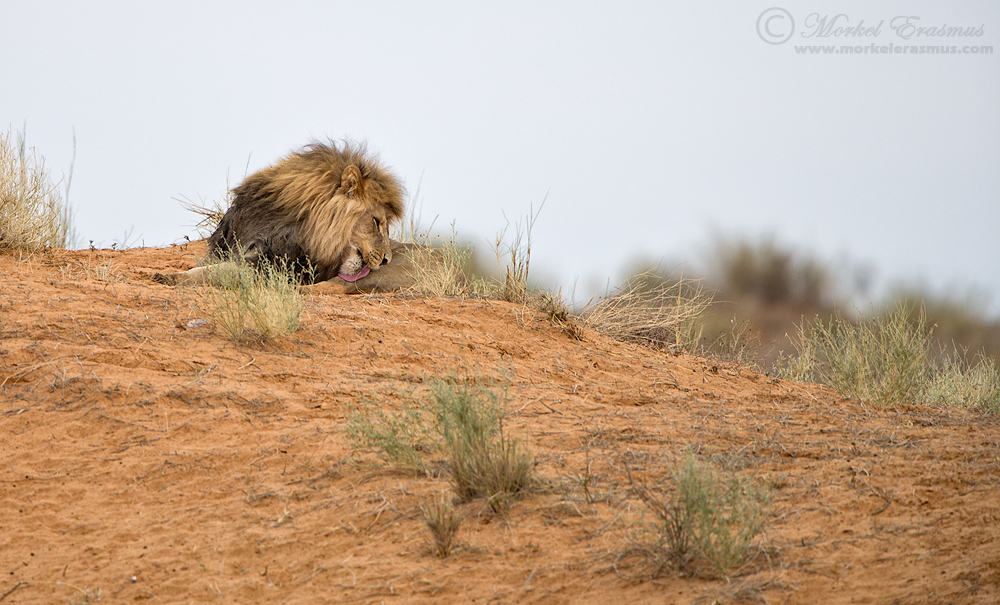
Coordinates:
column 325, row 209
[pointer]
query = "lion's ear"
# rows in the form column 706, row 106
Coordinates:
column 350, row 179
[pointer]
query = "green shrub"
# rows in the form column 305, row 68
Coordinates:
column 709, row 521
column 884, row 360
column 462, row 422
column 483, row 462
column 723, row 512
column 889, row 360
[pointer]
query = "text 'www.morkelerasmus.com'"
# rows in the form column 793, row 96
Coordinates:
column 841, row 34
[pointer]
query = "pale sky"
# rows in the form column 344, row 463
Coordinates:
column 650, row 125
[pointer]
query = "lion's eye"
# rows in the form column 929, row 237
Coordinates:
column 377, row 224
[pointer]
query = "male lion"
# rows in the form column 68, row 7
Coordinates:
column 326, row 209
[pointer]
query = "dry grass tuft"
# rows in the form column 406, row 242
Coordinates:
column 447, row 267
column 973, row 385
column 559, row 315
column 661, row 315
column 444, row 270
column 211, row 213
column 256, row 303
column 443, row 521
column 33, row 213
column 513, row 253
column 105, row 272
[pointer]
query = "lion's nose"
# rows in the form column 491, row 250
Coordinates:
column 385, row 260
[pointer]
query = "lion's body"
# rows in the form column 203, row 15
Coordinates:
column 310, row 208
column 400, row 275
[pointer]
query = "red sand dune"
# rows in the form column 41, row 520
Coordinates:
column 143, row 459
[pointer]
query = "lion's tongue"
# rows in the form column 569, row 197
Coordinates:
column 352, row 278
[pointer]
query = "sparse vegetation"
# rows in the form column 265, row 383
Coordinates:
column 449, row 267
column 884, row 360
column 443, row 521
column 738, row 344
column 259, row 302
column 707, row 524
column 104, row 271
column 402, row 437
column 84, row 596
column 889, row 360
column 465, row 424
column 513, row 256
column 958, row 382
column 962, row 321
column 444, row 270
column 446, row 267
column 33, row 212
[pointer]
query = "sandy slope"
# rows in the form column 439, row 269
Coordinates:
column 147, row 460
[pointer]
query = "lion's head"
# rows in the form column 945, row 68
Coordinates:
column 374, row 208
column 369, row 246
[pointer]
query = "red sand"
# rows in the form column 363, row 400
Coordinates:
column 143, row 459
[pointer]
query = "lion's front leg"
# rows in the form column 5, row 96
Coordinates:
column 199, row 276
column 191, row 277
column 333, row 286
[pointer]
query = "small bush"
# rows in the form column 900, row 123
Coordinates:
column 443, row 522
column 652, row 313
column 463, row 423
column 708, row 523
column 482, row 460
column 256, row 302
column 884, row 360
column 33, row 212
column 770, row 273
